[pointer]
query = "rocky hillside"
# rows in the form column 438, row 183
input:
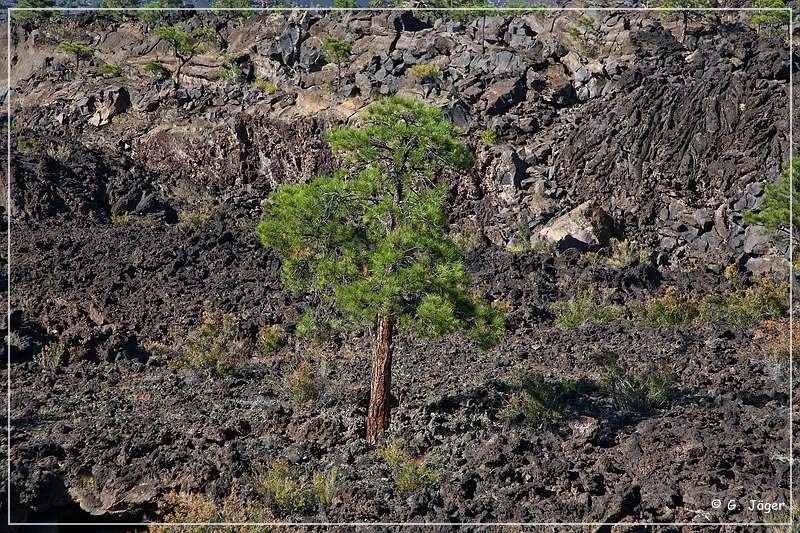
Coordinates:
column 615, row 150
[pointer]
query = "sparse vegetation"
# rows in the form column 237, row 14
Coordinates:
column 623, row 253
column 746, row 307
column 670, row 309
column 59, row 152
column 632, row 393
column 304, row 384
column 109, row 69
column 120, row 219
column 324, row 486
column 282, row 487
column 213, row 346
column 196, row 218
column 230, row 71
column 425, row 71
column 536, row 401
column 50, row 356
column 489, row 136
column 183, row 508
column 270, row 340
column 267, row 86
column 771, row 341
column 410, row 474
column 587, row 305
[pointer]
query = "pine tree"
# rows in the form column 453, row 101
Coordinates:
column 372, row 240
column 185, row 45
column 336, row 51
column 775, row 212
column 79, row 50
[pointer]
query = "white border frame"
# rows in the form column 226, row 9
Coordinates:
column 790, row 523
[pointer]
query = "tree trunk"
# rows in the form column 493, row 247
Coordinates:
column 378, row 414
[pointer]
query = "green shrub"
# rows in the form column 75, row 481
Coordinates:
column 121, row 219
column 536, row 401
column 157, row 69
column 489, row 136
column 636, row 394
column 213, row 345
column 324, row 486
column 197, row 217
column 488, row 325
column 265, row 85
column 429, row 71
column 774, row 212
column 283, row 487
column 51, row 354
column 409, row 474
column 588, row 305
column 740, row 308
column 671, row 309
column 304, row 384
column 623, row 253
column 229, row 70
column 109, row 69
column 270, row 340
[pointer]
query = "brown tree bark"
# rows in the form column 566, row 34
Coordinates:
column 379, row 411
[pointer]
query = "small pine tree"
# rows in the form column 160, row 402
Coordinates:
column 234, row 8
column 185, row 45
column 38, row 9
column 336, row 51
column 672, row 7
column 79, row 50
column 775, row 211
column 371, row 240
column 776, row 15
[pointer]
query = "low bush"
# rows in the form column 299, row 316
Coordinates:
column 771, row 341
column 304, row 384
column 157, row 69
column 536, row 401
column 489, row 136
column 213, row 345
column 623, row 253
column 671, row 309
column 636, row 393
column 588, row 305
column 109, row 69
column 51, row 354
column 282, row 486
column 270, row 340
column 197, row 217
column 745, row 307
column 410, row 474
column 182, row 508
column 324, row 486
column 267, row 86
column 425, row 71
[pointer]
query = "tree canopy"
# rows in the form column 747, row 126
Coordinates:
column 372, row 239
